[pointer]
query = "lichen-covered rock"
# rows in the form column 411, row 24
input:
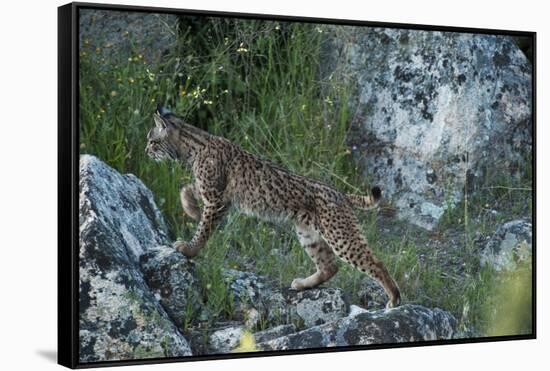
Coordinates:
column 225, row 340
column 510, row 245
column 121, row 208
column 372, row 295
column 255, row 298
column 355, row 310
column 316, row 306
column 437, row 112
column 172, row 279
column 119, row 35
column 274, row 333
column 407, row 323
column 119, row 317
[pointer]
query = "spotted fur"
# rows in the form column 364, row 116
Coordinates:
column 227, row 176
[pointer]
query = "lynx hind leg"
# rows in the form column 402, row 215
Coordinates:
column 322, row 256
column 189, row 202
column 341, row 230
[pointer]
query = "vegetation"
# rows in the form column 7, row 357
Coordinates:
column 259, row 84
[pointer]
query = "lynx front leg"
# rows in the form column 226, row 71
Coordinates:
column 211, row 215
column 322, row 256
column 209, row 185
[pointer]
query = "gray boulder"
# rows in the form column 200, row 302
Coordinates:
column 511, row 244
column 225, row 340
column 436, row 112
column 228, row 338
column 258, row 302
column 315, row 306
column 371, row 295
column 274, row 333
column 172, row 279
column 407, row 323
column 255, row 298
column 119, row 317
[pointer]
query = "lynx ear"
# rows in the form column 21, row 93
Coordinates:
column 160, row 122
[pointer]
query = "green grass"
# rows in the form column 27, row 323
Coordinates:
column 259, row 85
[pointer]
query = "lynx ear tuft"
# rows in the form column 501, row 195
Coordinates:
column 376, row 193
column 163, row 111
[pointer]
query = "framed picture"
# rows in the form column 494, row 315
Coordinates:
column 238, row 185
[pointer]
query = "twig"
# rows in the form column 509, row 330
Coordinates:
column 510, row 188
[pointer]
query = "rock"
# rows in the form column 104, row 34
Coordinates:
column 122, row 207
column 171, row 277
column 119, row 317
column 407, row 323
column 437, row 112
column 510, row 245
column 225, row 340
column 255, row 298
column 316, row 306
column 274, row 333
column 120, row 35
column 372, row 295
column 355, row 310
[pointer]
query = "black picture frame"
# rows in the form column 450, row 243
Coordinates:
column 68, row 178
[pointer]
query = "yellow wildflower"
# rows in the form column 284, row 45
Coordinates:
column 247, row 343
column 242, row 49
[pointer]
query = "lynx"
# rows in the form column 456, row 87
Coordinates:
column 227, row 176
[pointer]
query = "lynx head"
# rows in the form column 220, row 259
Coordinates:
column 162, row 139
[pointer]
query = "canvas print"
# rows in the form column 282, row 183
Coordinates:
column 254, row 185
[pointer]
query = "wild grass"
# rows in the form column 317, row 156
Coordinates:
column 259, row 84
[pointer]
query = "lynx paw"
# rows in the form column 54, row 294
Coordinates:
column 184, row 248
column 298, row 284
column 392, row 303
